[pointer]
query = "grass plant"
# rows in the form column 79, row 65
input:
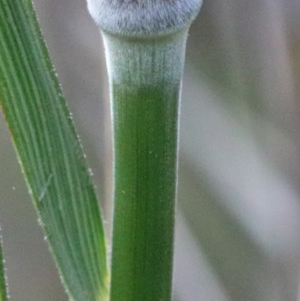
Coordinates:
column 145, row 46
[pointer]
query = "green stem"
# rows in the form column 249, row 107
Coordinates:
column 145, row 83
column 145, row 45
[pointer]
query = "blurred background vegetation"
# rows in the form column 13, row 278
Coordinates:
column 238, row 218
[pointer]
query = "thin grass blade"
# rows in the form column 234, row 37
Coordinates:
column 50, row 154
column 3, row 287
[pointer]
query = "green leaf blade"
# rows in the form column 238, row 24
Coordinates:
column 50, row 154
column 3, row 286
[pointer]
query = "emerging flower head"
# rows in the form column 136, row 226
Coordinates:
column 143, row 18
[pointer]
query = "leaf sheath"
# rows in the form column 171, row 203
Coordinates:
column 145, row 76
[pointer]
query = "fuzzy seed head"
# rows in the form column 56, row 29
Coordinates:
column 143, row 18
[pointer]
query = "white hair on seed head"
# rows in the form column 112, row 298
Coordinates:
column 143, row 18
